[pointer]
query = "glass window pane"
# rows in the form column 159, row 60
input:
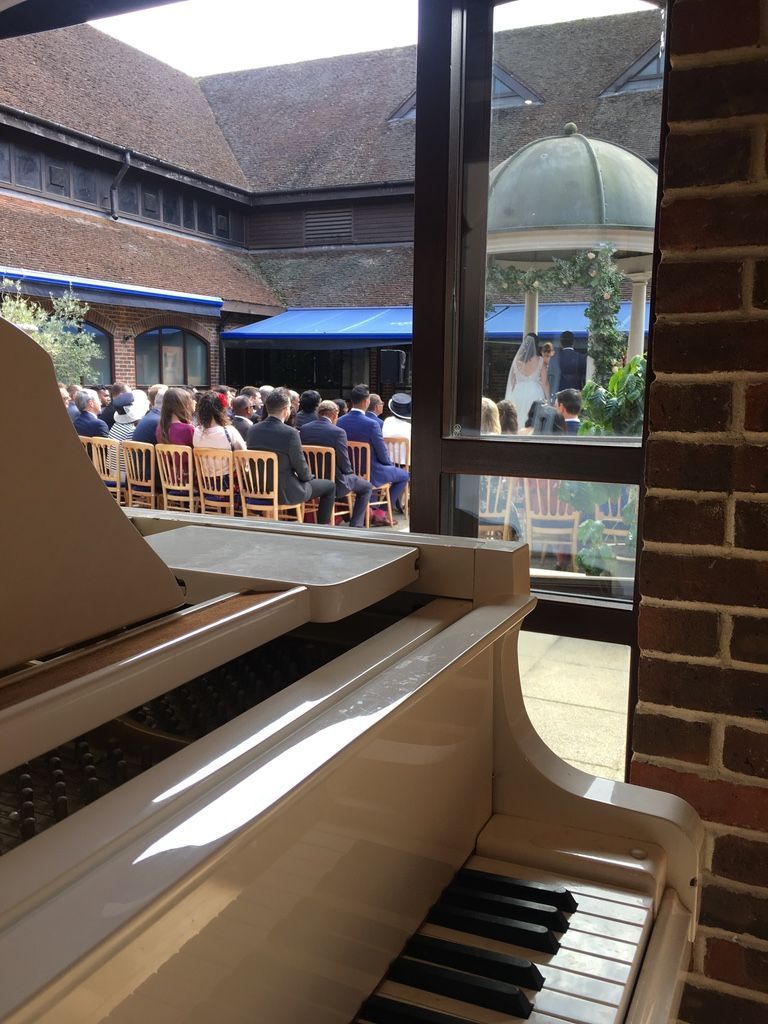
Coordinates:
column 171, row 207
column 197, row 361
column 128, row 197
column 101, row 366
column 205, row 217
column 27, row 168
column 84, row 184
column 147, row 348
column 150, row 203
column 571, row 219
column 189, row 213
column 5, row 161
column 172, row 356
column 57, row 177
column 582, row 536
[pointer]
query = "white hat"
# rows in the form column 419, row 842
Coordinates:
column 131, row 406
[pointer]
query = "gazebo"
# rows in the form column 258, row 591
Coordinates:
column 560, row 195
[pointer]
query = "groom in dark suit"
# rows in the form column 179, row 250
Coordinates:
column 295, row 484
column 572, row 365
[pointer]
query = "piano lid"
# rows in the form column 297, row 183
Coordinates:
column 74, row 567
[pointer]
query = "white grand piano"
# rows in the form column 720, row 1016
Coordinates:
column 284, row 775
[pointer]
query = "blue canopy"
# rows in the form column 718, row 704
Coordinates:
column 376, row 326
column 338, row 328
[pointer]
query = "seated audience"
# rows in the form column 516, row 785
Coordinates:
column 342, row 404
column 87, row 422
column 214, row 429
column 507, row 416
column 146, row 428
column 108, row 412
column 568, row 404
column 130, row 407
column 176, row 412
column 295, row 484
column 308, row 403
column 489, row 417
column 323, row 431
column 257, row 402
column 242, row 413
column 64, row 395
column 103, row 393
column 376, row 408
column 359, row 427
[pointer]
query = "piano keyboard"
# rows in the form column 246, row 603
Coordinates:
column 505, row 944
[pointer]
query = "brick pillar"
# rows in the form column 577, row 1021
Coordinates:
column 702, row 720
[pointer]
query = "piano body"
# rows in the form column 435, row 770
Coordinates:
column 237, row 791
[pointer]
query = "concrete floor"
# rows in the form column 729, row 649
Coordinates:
column 576, row 696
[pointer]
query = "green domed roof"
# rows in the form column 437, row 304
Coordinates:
column 570, row 181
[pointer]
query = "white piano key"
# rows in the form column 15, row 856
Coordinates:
column 565, row 959
column 576, row 885
column 611, row 909
column 599, row 945
column 580, row 985
column 470, row 1012
column 605, row 927
column 574, row 1010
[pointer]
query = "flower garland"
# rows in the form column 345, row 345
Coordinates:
column 593, row 270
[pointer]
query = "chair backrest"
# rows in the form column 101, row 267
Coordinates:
column 215, row 479
column 177, row 474
column 360, row 457
column 542, row 498
column 399, row 449
column 257, row 480
column 321, row 461
column 494, row 495
column 140, row 473
column 104, row 453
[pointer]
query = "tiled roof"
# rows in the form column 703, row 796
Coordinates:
column 85, row 80
column 359, row 277
column 325, row 123
column 39, row 236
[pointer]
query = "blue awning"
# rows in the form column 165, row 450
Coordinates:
column 338, row 328
column 506, row 322
column 377, row 326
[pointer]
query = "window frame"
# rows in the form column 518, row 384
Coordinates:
column 186, row 333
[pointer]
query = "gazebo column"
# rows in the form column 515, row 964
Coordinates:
column 531, row 312
column 636, row 343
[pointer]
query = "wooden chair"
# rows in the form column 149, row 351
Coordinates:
column 498, row 515
column 360, row 457
column 322, row 464
column 215, row 475
column 399, row 449
column 139, row 474
column 615, row 530
column 176, row 466
column 104, row 453
column 257, row 474
column 552, row 524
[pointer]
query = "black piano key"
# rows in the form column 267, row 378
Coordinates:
column 519, row 888
column 506, row 906
column 443, row 981
column 474, row 960
column 517, row 933
column 382, row 1010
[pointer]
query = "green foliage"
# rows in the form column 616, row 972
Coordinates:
column 595, row 556
column 616, row 410
column 593, row 270
column 58, row 330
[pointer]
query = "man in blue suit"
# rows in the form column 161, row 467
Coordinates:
column 323, row 431
column 571, row 365
column 359, row 427
column 87, row 422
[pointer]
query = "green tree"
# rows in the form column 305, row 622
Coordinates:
column 615, row 410
column 58, row 330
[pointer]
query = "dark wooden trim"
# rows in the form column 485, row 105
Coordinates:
column 438, row 75
column 558, row 459
column 609, row 622
column 467, row 347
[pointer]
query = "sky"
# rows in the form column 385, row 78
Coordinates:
column 205, row 37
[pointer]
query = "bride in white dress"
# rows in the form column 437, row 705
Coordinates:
column 527, row 380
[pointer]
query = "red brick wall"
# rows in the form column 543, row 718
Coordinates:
column 701, row 728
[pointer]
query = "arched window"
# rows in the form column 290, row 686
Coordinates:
column 170, row 355
column 101, row 364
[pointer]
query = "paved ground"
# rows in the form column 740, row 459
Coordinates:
column 576, row 695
